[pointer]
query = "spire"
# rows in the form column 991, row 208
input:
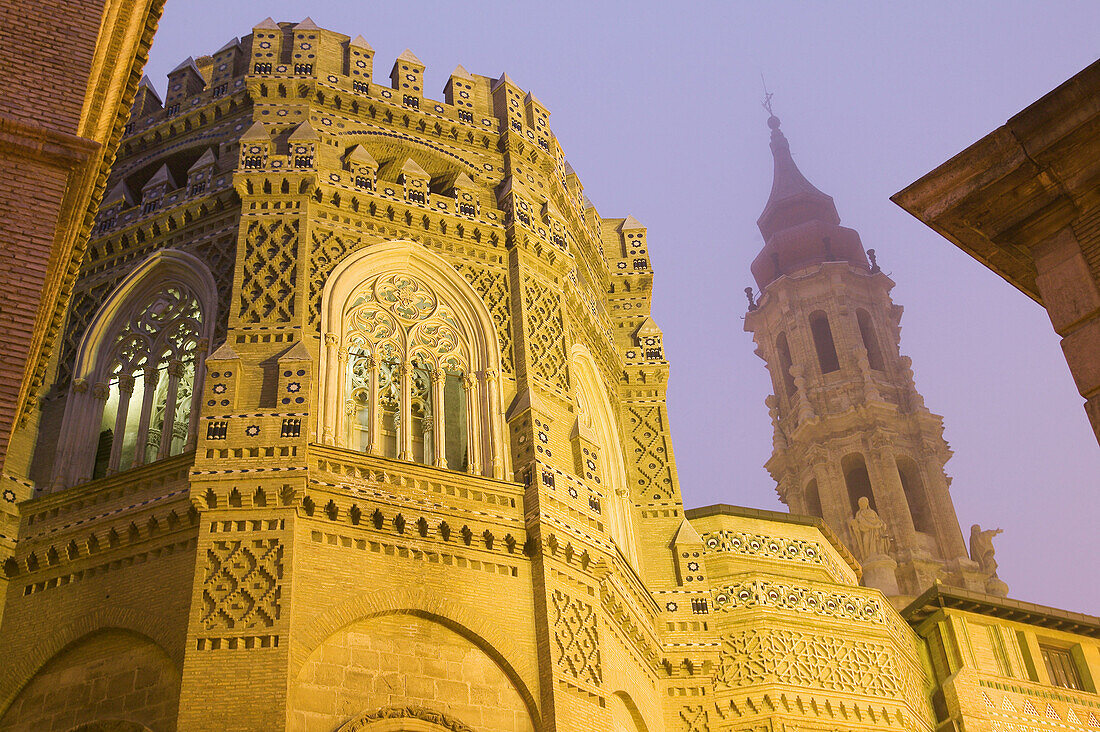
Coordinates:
column 800, row 224
column 793, row 200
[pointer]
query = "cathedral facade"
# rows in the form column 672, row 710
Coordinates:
column 358, row 422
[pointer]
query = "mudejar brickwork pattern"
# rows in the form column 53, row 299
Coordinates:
column 358, row 422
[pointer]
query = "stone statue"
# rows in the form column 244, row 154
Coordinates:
column 868, row 531
column 981, row 549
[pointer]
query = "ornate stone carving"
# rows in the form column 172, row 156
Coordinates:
column 242, row 584
column 270, row 279
column 765, row 593
column 694, row 718
column 363, row 721
column 758, row 656
column 545, row 334
column 652, row 468
column 576, row 640
column 868, row 531
column 981, row 548
column 772, row 547
column 493, row 288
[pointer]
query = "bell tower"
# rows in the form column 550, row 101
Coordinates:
column 849, row 423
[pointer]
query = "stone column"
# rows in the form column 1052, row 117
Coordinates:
column 374, row 414
column 76, row 417
column 832, row 491
column 175, row 371
column 125, row 389
column 890, row 498
column 331, row 405
column 88, row 435
column 336, row 379
column 404, row 428
column 149, row 384
column 936, row 487
column 473, row 424
column 496, row 444
column 196, row 393
column 439, row 416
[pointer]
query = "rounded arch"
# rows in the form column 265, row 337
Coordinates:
column 147, row 341
column 471, row 624
column 22, row 666
column 916, row 495
column 404, row 719
column 625, row 715
column 474, row 170
column 857, row 480
column 596, row 417
column 456, row 318
column 403, row 256
column 112, row 725
column 822, row 334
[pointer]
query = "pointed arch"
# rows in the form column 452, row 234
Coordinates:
column 147, row 341
column 408, row 341
column 597, row 420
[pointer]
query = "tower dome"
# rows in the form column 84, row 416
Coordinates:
column 800, row 224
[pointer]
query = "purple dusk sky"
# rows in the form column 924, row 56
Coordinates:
column 657, row 106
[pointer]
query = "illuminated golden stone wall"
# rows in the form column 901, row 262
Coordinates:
column 358, row 422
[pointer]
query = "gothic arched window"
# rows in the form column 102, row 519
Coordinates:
column 410, row 362
column 823, row 342
column 134, row 394
column 405, row 355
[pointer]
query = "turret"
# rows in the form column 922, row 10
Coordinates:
column 146, row 100
column 267, row 46
column 360, row 63
column 156, row 188
column 407, row 75
column 183, row 81
column 303, row 142
column 226, row 65
column 459, row 90
column 255, row 147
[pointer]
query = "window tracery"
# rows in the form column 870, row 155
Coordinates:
column 133, row 400
column 412, row 361
column 151, row 363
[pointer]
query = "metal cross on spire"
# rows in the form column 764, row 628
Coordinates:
column 767, row 96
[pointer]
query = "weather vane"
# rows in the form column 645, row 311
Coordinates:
column 767, row 96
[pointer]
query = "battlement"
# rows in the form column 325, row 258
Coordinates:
column 302, row 60
column 285, row 52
